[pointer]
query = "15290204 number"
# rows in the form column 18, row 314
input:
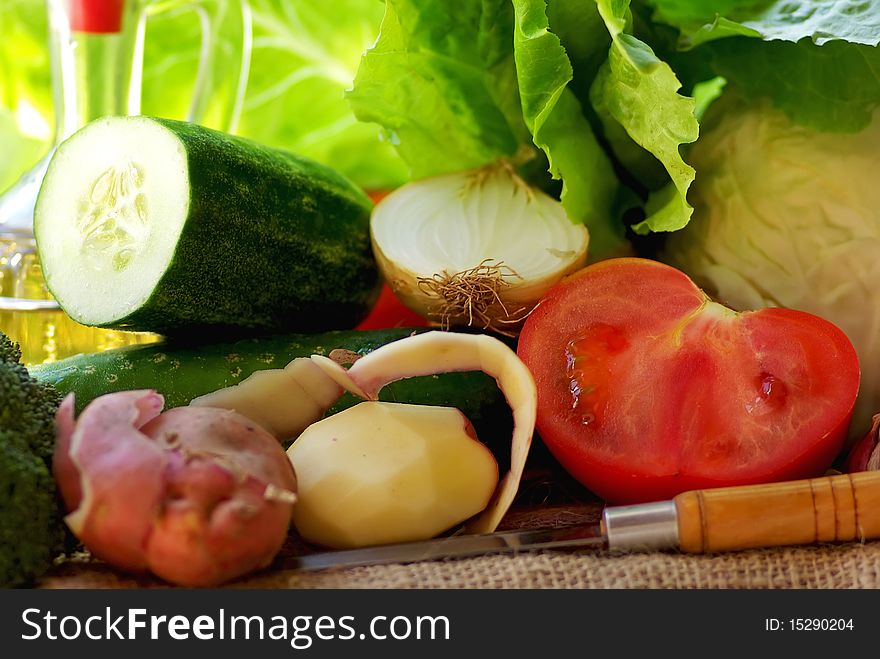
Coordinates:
column 820, row 624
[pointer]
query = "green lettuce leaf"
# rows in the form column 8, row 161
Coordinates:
column 816, row 60
column 558, row 126
column 821, row 21
column 830, row 88
column 582, row 33
column 432, row 82
column 636, row 92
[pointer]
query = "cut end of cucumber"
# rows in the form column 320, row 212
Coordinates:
column 109, row 215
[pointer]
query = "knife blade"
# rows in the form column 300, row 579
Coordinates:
column 828, row 509
column 580, row 536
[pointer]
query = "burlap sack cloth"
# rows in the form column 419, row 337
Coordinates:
column 848, row 566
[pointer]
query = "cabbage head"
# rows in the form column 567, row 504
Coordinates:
column 788, row 216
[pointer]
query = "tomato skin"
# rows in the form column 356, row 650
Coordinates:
column 377, row 195
column 682, row 393
column 389, row 313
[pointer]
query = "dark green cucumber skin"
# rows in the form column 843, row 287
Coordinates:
column 273, row 242
column 181, row 373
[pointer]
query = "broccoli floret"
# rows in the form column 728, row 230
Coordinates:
column 31, row 529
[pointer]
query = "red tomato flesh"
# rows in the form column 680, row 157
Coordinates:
column 647, row 388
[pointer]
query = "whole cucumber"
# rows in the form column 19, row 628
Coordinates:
column 182, row 372
column 169, row 227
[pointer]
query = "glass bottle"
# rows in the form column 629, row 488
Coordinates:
column 96, row 52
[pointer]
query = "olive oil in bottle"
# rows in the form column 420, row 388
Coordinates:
column 30, row 316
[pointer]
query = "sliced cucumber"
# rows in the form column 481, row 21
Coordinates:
column 164, row 226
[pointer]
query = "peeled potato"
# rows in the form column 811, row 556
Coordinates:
column 379, row 473
column 283, row 401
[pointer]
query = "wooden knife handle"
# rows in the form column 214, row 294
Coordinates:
column 829, row 509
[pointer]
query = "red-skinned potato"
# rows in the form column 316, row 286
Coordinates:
column 197, row 496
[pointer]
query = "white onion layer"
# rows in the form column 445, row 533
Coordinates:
column 455, row 222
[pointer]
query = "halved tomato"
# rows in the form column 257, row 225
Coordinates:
column 647, row 388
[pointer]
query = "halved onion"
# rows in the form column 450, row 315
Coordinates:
column 477, row 248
